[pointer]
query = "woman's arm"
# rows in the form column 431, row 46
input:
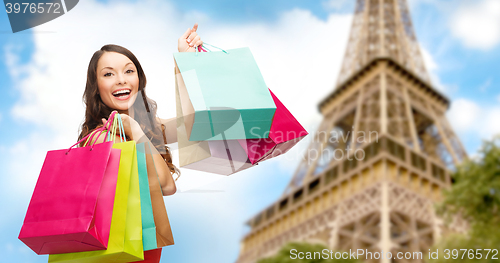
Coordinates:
column 156, row 165
column 188, row 42
column 154, row 161
column 170, row 129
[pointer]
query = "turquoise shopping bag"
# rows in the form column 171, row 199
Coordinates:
column 148, row 221
column 223, row 95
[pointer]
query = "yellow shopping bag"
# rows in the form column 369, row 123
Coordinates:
column 125, row 238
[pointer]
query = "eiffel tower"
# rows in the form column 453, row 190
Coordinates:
column 380, row 158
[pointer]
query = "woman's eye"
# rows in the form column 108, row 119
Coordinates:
column 129, row 71
column 107, row 74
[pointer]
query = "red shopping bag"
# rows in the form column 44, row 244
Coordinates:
column 151, row 256
column 285, row 132
column 72, row 203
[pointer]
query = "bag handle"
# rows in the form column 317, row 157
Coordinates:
column 105, row 127
column 92, row 137
column 111, row 117
column 113, row 128
column 112, row 135
column 118, row 124
column 200, row 49
column 203, row 47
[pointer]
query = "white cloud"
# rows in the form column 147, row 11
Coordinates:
column 34, row 149
column 430, row 63
column 492, row 123
column 432, row 69
column 464, row 114
column 477, row 23
column 11, row 60
column 469, row 118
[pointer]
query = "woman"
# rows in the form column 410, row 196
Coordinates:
column 116, row 81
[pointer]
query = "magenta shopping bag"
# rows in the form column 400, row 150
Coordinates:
column 151, row 256
column 285, row 132
column 72, row 204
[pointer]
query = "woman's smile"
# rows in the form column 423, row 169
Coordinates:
column 122, row 94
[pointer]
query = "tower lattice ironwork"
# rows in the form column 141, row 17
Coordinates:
column 380, row 158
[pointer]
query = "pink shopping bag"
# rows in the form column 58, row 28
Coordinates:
column 285, row 132
column 71, row 207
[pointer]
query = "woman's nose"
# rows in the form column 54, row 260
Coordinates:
column 121, row 79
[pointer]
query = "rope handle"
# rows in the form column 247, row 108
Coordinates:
column 92, row 134
column 204, row 48
column 88, row 139
column 118, row 123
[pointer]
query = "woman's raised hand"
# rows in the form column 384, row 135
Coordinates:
column 190, row 40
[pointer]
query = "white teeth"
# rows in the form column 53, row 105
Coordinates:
column 125, row 91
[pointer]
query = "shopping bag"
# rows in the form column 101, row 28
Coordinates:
column 72, row 203
column 164, row 235
column 148, row 222
column 223, row 157
column 125, row 238
column 223, row 94
column 285, row 132
column 151, row 256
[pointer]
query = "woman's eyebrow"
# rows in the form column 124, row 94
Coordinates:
column 112, row 68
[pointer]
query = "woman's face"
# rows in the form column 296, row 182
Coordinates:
column 117, row 81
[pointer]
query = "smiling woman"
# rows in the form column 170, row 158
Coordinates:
column 117, row 82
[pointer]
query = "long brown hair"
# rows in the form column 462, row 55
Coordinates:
column 144, row 109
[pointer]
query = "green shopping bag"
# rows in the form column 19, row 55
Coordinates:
column 125, row 237
column 226, row 97
column 148, row 221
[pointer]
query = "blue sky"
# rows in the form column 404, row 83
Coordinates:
column 42, row 73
